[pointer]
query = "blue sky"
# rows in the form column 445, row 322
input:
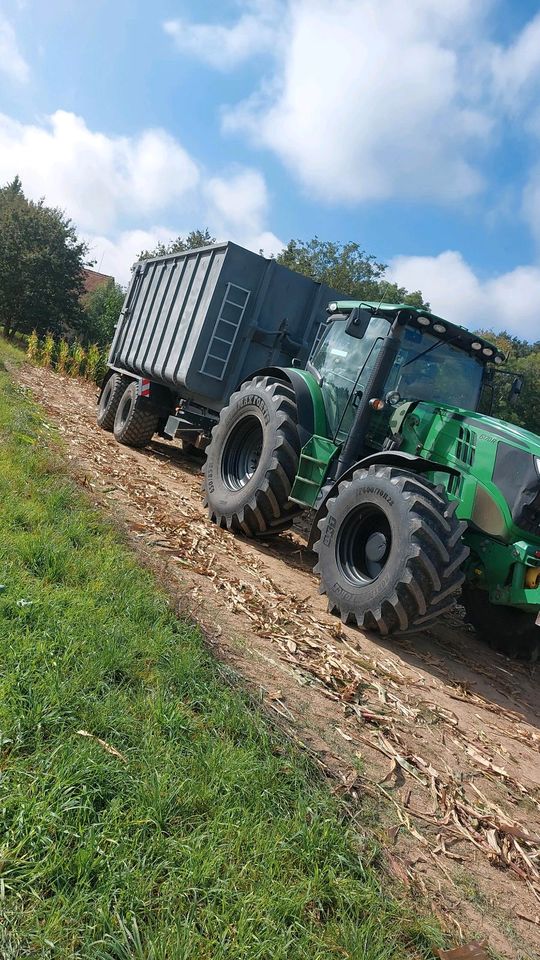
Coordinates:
column 412, row 128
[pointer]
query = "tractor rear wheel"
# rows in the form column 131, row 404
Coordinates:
column 109, row 400
column 505, row 629
column 252, row 459
column 390, row 554
column 135, row 422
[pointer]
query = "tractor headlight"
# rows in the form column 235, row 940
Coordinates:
column 332, row 307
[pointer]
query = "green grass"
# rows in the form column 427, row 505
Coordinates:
column 214, row 839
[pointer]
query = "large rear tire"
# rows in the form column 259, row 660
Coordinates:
column 110, row 398
column 505, row 629
column 390, row 554
column 252, row 459
column 135, row 422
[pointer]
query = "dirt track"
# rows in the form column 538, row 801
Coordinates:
column 443, row 735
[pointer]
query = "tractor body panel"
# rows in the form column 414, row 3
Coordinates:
column 497, row 486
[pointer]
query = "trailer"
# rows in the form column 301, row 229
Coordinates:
column 193, row 326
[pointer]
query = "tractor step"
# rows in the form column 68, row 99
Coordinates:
column 315, row 458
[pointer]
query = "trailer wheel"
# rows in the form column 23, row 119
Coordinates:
column 390, row 554
column 252, row 459
column 135, row 422
column 109, row 400
column 505, row 629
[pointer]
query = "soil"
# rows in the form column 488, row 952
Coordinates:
column 433, row 736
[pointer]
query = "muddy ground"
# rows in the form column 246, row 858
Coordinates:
column 442, row 735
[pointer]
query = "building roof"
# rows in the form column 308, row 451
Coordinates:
column 93, row 280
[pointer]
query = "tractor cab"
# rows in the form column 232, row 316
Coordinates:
column 435, row 361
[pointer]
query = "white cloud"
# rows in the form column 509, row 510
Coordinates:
column 370, row 100
column 531, row 202
column 238, row 206
column 234, row 207
column 12, row 63
column 116, row 256
column 95, row 177
column 516, row 68
column 115, row 188
column 508, row 301
column 226, row 47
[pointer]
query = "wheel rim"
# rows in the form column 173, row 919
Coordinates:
column 242, row 453
column 363, row 545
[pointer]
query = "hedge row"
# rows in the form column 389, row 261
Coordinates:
column 71, row 359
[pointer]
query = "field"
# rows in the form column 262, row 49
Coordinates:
column 149, row 809
column 432, row 740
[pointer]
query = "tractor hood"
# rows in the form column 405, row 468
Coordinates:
column 513, row 434
column 498, row 457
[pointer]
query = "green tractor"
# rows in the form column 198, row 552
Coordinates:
column 417, row 496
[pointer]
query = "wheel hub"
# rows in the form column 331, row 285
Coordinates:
column 363, row 544
column 242, row 453
column 376, row 546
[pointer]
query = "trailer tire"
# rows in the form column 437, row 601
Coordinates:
column 390, row 554
column 135, row 422
column 110, row 397
column 252, row 459
column 505, row 629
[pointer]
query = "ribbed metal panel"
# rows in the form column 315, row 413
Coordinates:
column 200, row 321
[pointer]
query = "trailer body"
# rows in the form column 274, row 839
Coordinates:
column 198, row 323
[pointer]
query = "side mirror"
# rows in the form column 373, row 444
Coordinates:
column 358, row 323
column 515, row 389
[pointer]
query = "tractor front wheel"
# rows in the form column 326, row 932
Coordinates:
column 505, row 629
column 390, row 554
column 252, row 459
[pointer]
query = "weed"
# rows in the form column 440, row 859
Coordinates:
column 62, row 356
column 76, row 360
column 93, row 358
column 32, row 349
column 47, row 351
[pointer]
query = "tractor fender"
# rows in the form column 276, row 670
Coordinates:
column 307, row 415
column 390, row 458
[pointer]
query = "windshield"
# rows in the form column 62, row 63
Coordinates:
column 445, row 374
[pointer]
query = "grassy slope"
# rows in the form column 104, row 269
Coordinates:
column 213, row 839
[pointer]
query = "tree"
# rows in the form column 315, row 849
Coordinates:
column 41, row 265
column 101, row 311
column 194, row 239
column 346, row 267
column 523, row 359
